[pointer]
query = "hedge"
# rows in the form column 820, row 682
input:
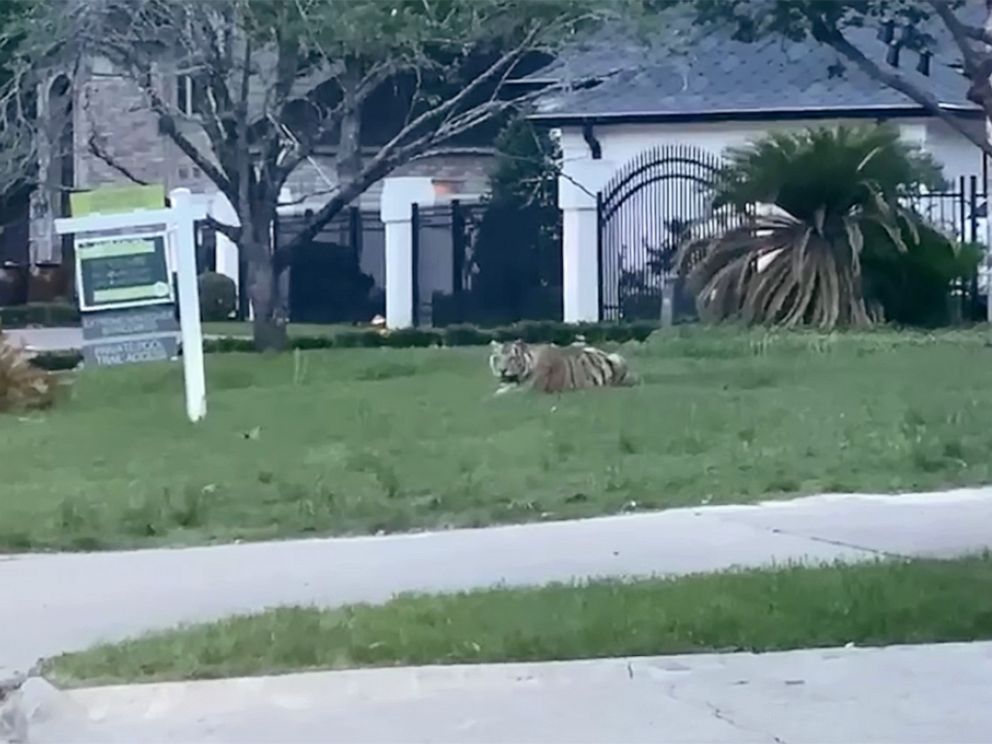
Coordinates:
column 456, row 335
column 57, row 361
column 43, row 314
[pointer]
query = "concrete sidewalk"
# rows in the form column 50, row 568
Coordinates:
column 40, row 340
column 47, row 339
column 937, row 693
column 64, row 602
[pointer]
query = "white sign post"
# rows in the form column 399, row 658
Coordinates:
column 189, row 304
column 179, row 222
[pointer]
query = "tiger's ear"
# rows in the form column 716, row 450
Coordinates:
column 494, row 344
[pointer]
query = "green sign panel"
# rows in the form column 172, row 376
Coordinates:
column 123, row 271
column 115, row 199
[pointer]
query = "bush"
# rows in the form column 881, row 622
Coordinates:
column 539, row 332
column 534, row 332
column 218, row 297
column 23, row 386
column 357, row 339
column 543, row 302
column 516, row 253
column 914, row 287
column 411, row 338
column 312, row 342
column 13, row 284
column 227, row 345
column 50, row 283
column 836, row 197
column 57, row 361
column 466, row 335
column 44, row 314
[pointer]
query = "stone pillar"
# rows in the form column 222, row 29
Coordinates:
column 577, row 189
column 399, row 194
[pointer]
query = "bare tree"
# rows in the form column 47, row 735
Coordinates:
column 280, row 77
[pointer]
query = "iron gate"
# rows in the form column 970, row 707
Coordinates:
column 644, row 213
column 960, row 212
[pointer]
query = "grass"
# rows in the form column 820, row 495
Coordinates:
column 369, row 440
column 915, row 601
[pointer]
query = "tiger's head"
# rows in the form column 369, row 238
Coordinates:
column 509, row 361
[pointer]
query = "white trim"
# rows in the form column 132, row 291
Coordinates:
column 771, row 112
column 123, row 220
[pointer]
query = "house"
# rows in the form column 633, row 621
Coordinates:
column 640, row 135
column 656, row 124
column 108, row 135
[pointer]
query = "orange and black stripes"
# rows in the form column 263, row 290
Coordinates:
column 554, row 369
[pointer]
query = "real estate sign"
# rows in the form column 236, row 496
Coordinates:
column 123, row 271
column 124, row 281
column 131, row 335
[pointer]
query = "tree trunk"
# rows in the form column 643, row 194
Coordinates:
column 267, row 292
column 349, row 155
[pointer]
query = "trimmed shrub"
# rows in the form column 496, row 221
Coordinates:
column 312, row 342
column 466, row 335
column 227, row 345
column 57, row 361
column 358, row 339
column 412, row 338
column 218, row 296
column 535, row 332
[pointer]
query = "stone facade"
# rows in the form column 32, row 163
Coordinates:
column 112, row 112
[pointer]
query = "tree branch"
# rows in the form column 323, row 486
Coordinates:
column 167, row 123
column 896, row 81
column 98, row 151
column 956, row 27
column 231, row 232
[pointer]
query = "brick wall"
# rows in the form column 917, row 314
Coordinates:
column 113, row 111
column 468, row 173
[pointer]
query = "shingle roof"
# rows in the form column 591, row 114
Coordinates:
column 717, row 76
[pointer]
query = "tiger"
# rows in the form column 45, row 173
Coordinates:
column 556, row 369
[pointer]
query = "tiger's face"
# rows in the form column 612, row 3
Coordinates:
column 508, row 360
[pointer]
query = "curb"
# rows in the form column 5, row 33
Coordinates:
column 28, row 700
column 13, row 724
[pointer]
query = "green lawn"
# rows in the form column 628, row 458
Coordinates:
column 915, row 601
column 368, row 440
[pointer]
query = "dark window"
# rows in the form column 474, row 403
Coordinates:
column 190, row 95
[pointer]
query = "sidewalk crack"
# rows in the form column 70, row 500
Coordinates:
column 722, row 715
column 815, row 538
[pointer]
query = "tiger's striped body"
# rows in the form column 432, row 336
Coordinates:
column 556, row 369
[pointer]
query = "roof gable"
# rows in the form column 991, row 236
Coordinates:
column 717, row 76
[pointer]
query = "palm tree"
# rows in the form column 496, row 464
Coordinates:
column 797, row 259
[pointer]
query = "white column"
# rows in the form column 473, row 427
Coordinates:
column 228, row 262
column 227, row 251
column 577, row 189
column 399, row 194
